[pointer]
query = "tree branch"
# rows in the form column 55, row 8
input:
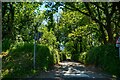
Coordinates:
column 113, row 9
column 88, row 8
column 92, row 17
column 76, row 9
column 97, row 5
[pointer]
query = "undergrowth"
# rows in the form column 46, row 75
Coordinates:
column 19, row 61
column 105, row 57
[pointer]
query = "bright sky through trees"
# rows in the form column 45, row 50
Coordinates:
column 56, row 16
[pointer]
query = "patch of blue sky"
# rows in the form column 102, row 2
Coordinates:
column 61, row 46
column 41, row 8
column 44, row 22
column 56, row 16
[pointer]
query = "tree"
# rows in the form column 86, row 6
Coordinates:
column 17, row 21
column 101, row 13
column 77, row 32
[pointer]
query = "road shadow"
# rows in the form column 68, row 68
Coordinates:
column 70, row 70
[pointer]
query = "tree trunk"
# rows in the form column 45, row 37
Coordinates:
column 76, row 47
column 108, row 23
column 81, row 46
column 110, row 34
column 101, row 27
column 103, row 35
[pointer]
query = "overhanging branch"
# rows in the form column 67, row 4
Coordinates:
column 97, row 5
column 73, row 8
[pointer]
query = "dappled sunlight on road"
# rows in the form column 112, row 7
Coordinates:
column 72, row 70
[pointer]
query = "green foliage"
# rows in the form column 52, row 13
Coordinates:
column 19, row 61
column 102, row 14
column 56, row 56
column 19, row 19
column 69, row 21
column 75, row 57
column 44, row 58
column 69, row 46
column 49, row 39
column 78, row 30
column 63, row 56
column 105, row 56
column 81, row 57
column 6, row 44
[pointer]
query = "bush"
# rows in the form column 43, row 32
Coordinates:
column 75, row 57
column 105, row 56
column 6, row 44
column 19, row 61
column 44, row 58
column 83, row 57
column 56, row 56
column 62, row 56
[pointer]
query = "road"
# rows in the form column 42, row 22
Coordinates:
column 73, row 71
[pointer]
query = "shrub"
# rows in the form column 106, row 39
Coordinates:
column 6, row 44
column 82, row 57
column 75, row 57
column 56, row 56
column 19, row 61
column 44, row 58
column 105, row 56
column 62, row 56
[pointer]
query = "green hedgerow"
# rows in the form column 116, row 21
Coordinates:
column 19, row 61
column 105, row 56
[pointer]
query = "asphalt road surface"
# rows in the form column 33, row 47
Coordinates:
column 68, row 70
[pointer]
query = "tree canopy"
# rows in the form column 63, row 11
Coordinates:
column 59, row 29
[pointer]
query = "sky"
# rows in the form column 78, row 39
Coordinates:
column 55, row 16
